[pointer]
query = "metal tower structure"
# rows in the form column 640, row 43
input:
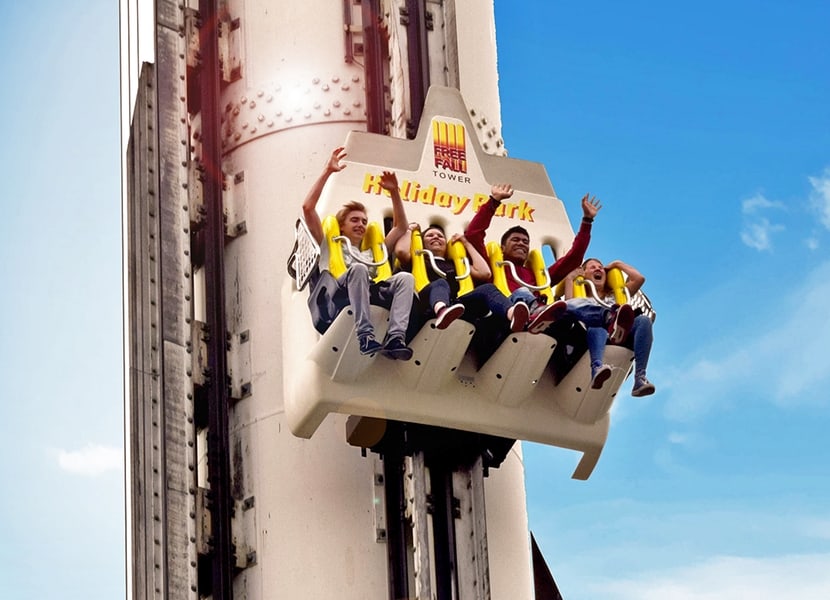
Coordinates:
column 245, row 478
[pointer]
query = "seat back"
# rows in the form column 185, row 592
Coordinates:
column 455, row 252
column 536, row 263
column 584, row 288
column 373, row 239
column 579, row 290
column 458, row 255
column 540, row 273
column 331, row 231
column 496, row 260
column 419, row 265
column 616, row 281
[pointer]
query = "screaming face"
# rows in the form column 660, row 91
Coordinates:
column 595, row 272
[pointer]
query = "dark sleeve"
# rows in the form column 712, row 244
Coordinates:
column 574, row 257
column 477, row 228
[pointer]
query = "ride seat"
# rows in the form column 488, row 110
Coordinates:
column 373, row 239
column 574, row 394
column 337, row 352
column 536, row 262
column 437, row 354
column 512, row 373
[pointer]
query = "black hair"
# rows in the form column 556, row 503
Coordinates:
column 434, row 226
column 514, row 229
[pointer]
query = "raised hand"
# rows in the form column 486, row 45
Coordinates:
column 590, row 206
column 389, row 181
column 334, row 165
column 578, row 272
column 500, row 191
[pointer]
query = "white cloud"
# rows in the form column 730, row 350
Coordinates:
column 757, row 202
column 757, row 230
column 805, row 577
column 758, row 234
column 685, row 549
column 92, row 460
column 783, row 360
column 820, row 196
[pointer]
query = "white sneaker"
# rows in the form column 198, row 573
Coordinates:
column 600, row 376
column 448, row 314
column 518, row 320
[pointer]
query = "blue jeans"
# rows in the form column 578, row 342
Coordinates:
column 640, row 340
column 522, row 294
column 485, row 299
column 436, row 291
column 596, row 317
column 396, row 291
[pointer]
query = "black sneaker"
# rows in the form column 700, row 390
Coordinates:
column 369, row 345
column 395, row 349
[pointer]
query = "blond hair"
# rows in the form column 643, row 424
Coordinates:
column 347, row 208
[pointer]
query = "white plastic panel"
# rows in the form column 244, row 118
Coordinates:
column 437, row 355
column 337, row 354
column 387, row 389
column 574, row 393
column 513, row 372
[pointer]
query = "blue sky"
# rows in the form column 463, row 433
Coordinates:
column 705, row 131
column 61, row 510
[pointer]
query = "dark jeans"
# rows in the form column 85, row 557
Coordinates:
column 484, row 306
column 478, row 303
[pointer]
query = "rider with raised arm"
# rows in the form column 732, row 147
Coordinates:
column 515, row 246
column 440, row 297
column 605, row 322
column 397, row 291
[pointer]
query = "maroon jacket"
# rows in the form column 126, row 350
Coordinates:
column 477, row 229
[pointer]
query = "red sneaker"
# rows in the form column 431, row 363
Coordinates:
column 546, row 315
column 621, row 324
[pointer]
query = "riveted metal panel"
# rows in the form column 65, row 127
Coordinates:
column 173, row 159
column 162, row 473
column 177, row 292
column 145, row 351
column 180, row 473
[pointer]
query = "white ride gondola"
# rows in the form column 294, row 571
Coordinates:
column 529, row 387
